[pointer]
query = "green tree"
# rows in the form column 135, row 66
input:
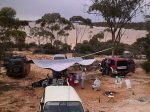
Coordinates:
column 7, row 18
column 142, row 45
column 56, row 25
column 83, row 48
column 117, row 13
column 99, row 36
column 81, row 26
column 58, row 44
column 10, row 28
column 19, row 37
column 147, row 24
column 95, row 41
column 65, row 48
column 40, row 34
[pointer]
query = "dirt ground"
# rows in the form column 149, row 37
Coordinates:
column 17, row 96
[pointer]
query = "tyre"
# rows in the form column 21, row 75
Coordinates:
column 110, row 73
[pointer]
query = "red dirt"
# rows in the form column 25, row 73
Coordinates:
column 21, row 98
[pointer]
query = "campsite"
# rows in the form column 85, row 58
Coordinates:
column 18, row 96
column 74, row 56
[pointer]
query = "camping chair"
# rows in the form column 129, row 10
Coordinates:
column 110, row 96
column 128, row 83
column 118, row 82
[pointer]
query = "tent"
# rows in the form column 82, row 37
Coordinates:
column 60, row 65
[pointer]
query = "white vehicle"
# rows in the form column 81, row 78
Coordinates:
column 60, row 99
column 59, row 57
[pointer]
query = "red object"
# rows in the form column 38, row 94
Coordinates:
column 118, row 59
column 115, row 64
column 70, row 81
column 114, row 67
column 76, row 84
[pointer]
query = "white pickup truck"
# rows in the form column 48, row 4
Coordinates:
column 60, row 99
column 59, row 57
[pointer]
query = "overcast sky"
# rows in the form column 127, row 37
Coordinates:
column 35, row 9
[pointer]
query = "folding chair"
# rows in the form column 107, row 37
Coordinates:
column 110, row 98
column 118, row 82
column 128, row 83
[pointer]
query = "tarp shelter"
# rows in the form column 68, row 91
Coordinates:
column 60, row 65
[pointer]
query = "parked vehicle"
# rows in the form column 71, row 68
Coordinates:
column 60, row 99
column 127, row 54
column 17, row 66
column 58, row 75
column 59, row 57
column 117, row 66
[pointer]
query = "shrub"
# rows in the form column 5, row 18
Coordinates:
column 65, row 48
column 146, row 66
column 84, row 48
column 79, row 55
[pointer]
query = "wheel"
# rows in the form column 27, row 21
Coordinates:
column 14, row 71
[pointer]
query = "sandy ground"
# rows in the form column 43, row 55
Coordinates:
column 16, row 96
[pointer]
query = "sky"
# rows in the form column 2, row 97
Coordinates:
column 35, row 9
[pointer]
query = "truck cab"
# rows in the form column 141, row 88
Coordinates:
column 59, row 57
column 60, row 99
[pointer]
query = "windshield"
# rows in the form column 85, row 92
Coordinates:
column 63, row 107
column 122, row 63
column 58, row 58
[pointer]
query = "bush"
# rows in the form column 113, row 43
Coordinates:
column 79, row 55
column 65, row 48
column 84, row 48
column 47, row 49
column 146, row 66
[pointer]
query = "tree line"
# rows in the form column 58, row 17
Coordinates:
column 133, row 25
column 54, row 29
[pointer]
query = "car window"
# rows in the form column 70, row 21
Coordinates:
column 122, row 63
column 58, row 58
column 63, row 106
